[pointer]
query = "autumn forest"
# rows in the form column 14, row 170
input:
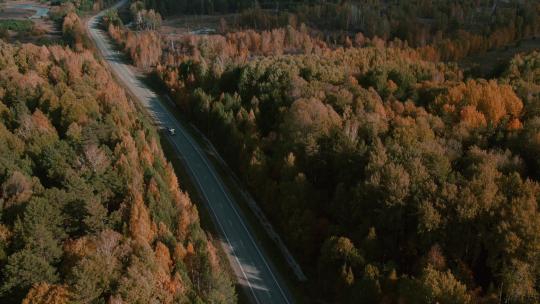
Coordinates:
column 91, row 210
column 396, row 168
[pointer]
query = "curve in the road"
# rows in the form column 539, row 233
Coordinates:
column 248, row 260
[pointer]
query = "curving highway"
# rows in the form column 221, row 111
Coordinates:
column 250, row 263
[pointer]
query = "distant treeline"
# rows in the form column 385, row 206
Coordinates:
column 458, row 28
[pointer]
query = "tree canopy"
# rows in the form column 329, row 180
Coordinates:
column 397, row 177
column 90, row 209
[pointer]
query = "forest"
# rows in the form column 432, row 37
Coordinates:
column 457, row 28
column 393, row 174
column 396, row 177
column 90, row 209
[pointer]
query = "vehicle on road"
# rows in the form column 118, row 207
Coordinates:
column 250, row 264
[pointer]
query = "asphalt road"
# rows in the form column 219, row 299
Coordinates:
column 249, row 261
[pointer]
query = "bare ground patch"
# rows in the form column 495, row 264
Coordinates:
column 14, row 13
column 44, row 30
column 177, row 26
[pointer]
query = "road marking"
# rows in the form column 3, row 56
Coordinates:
column 222, row 229
column 236, row 212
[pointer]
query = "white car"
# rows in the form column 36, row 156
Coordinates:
column 172, row 131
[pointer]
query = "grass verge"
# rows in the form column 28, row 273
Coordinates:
column 16, row 25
